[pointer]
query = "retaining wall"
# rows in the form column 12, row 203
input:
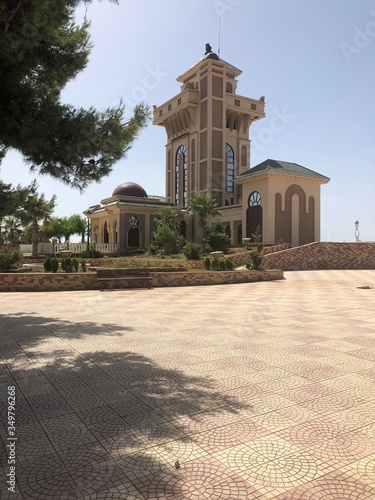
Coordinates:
column 323, row 256
column 42, row 282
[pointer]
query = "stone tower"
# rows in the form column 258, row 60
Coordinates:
column 207, row 127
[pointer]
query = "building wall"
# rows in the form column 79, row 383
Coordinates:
column 279, row 194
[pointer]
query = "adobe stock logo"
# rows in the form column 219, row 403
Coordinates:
column 277, row 124
column 362, row 39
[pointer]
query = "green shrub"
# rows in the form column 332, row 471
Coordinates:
column 9, row 257
column 223, row 265
column 180, row 243
column 54, row 265
column 67, row 264
column 207, row 263
column 83, row 265
column 153, row 248
column 75, row 264
column 256, row 259
column 215, row 237
column 47, row 264
column 192, row 251
column 91, row 253
column 229, row 264
column 215, row 264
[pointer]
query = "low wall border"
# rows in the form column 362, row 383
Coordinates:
column 44, row 282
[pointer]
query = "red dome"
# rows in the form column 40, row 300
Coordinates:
column 130, row 189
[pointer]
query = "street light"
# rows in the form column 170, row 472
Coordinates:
column 356, row 231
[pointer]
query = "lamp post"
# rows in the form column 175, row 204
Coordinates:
column 356, row 231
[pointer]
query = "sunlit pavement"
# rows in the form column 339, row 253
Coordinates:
column 252, row 391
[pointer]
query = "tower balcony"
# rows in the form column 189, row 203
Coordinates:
column 189, row 98
column 246, row 106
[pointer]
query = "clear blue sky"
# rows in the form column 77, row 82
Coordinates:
column 313, row 60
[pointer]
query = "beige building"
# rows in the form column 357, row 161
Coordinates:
column 208, row 151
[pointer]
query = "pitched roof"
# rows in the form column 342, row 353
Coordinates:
column 283, row 167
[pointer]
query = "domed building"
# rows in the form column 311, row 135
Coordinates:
column 208, row 151
column 125, row 220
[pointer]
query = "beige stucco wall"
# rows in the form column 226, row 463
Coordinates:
column 268, row 185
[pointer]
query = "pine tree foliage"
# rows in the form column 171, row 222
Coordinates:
column 41, row 50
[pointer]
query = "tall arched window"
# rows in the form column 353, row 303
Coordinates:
column 181, row 166
column 230, row 168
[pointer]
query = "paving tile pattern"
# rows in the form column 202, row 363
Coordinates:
column 248, row 391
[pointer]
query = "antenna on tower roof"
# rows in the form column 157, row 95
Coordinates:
column 218, row 52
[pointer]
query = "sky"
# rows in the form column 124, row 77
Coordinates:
column 313, row 60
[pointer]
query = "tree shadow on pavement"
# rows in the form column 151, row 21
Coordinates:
column 93, row 418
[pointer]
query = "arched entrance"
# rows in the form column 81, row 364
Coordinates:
column 105, row 233
column 133, row 233
column 254, row 214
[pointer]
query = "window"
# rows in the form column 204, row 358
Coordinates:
column 181, row 165
column 133, row 222
column 230, row 168
column 255, row 199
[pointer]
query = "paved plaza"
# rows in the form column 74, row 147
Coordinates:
column 252, row 391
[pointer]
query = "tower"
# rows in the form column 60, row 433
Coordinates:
column 207, row 126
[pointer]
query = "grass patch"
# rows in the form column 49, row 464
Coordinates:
column 364, row 287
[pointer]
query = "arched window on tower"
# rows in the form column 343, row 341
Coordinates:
column 230, row 168
column 181, row 167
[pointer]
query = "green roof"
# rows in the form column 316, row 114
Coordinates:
column 283, row 167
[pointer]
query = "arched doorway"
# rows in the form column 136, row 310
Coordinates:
column 254, row 215
column 133, row 233
column 183, row 228
column 105, row 233
column 239, row 234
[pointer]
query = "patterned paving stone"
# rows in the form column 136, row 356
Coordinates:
column 275, row 400
column 334, row 486
column 138, row 455
column 228, row 436
column 201, row 479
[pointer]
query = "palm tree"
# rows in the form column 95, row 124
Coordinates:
column 36, row 208
column 166, row 216
column 78, row 225
column 12, row 230
column 202, row 207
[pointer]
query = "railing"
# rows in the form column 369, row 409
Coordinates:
column 66, row 248
column 107, row 247
column 70, row 247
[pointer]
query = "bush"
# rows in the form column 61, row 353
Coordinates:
column 215, row 237
column 153, row 248
column 180, row 243
column 223, row 265
column 215, row 264
column 91, row 253
column 229, row 264
column 9, row 257
column 207, row 263
column 47, row 264
column 192, row 251
column 54, row 265
column 76, row 264
column 256, row 259
column 83, row 265
column 166, row 237
column 67, row 264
